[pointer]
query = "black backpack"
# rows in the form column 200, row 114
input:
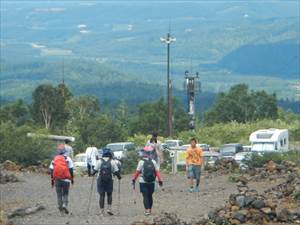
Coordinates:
column 105, row 171
column 149, row 171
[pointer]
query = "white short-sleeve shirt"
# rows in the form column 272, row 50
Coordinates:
column 114, row 166
column 140, row 168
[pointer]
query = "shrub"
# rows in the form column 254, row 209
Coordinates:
column 129, row 165
column 258, row 160
column 17, row 147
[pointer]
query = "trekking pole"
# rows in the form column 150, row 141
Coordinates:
column 134, row 194
column 90, row 197
column 119, row 197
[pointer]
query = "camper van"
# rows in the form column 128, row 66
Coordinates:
column 269, row 140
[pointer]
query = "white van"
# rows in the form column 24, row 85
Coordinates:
column 269, row 140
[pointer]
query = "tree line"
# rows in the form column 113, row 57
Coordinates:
column 55, row 110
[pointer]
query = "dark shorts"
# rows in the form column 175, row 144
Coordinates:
column 147, row 188
column 194, row 171
column 104, row 186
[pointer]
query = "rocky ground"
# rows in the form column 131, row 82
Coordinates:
column 219, row 200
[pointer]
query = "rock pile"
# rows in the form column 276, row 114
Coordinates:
column 273, row 171
column 41, row 168
column 279, row 204
column 224, row 166
column 164, row 219
column 11, row 166
column 6, row 178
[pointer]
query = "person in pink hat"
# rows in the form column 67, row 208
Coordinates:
column 148, row 171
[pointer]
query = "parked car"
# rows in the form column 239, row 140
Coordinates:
column 120, row 149
column 229, row 150
column 205, row 147
column 247, row 148
column 173, row 143
column 211, row 157
column 80, row 162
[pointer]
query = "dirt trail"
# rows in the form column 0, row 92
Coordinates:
column 172, row 198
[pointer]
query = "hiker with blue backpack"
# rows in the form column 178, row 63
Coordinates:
column 148, row 171
column 106, row 168
column 61, row 170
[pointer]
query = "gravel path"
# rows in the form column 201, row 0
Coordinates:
column 172, row 198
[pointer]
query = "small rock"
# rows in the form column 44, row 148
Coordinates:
column 270, row 203
column 240, row 201
column 258, row 203
column 240, row 217
column 283, row 215
column 249, row 200
column 235, row 208
column 271, row 166
column 235, row 222
column 266, row 210
column 242, row 179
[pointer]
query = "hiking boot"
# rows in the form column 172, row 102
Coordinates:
column 61, row 211
column 102, row 212
column 196, row 189
column 65, row 210
column 147, row 213
column 109, row 211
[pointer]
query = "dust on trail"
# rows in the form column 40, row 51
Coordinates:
column 172, row 198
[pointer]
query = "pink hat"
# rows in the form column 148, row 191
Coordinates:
column 148, row 148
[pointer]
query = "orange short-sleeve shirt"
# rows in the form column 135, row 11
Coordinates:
column 194, row 156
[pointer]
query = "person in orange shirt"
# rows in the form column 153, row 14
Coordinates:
column 194, row 159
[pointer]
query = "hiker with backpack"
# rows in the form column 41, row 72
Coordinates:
column 148, row 170
column 157, row 153
column 69, row 149
column 61, row 169
column 91, row 158
column 194, row 160
column 106, row 168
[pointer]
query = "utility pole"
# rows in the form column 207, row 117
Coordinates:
column 168, row 40
column 62, row 85
column 192, row 85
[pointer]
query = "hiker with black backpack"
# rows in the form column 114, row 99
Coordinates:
column 61, row 169
column 106, row 168
column 149, row 170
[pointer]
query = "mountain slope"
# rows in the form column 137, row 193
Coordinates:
column 281, row 59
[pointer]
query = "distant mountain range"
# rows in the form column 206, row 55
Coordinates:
column 109, row 45
column 279, row 59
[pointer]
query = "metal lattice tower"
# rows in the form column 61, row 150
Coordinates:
column 192, row 85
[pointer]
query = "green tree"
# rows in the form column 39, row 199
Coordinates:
column 83, row 106
column 17, row 112
column 241, row 105
column 266, row 105
column 100, row 130
column 152, row 116
column 48, row 106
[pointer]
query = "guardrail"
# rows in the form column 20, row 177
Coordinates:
column 51, row 137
